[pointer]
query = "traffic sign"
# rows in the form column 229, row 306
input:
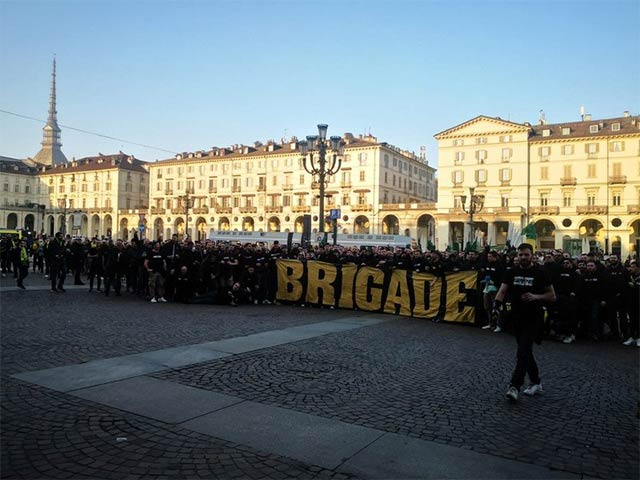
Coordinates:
column 334, row 214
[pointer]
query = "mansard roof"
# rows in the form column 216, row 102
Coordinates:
column 100, row 162
column 628, row 125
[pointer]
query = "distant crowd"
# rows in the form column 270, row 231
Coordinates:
column 598, row 296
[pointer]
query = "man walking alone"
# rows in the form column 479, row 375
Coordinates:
column 529, row 287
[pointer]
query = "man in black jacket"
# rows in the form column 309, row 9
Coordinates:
column 57, row 252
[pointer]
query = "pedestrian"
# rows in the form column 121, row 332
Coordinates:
column 633, row 297
column 23, row 266
column 155, row 265
column 529, row 288
column 56, row 259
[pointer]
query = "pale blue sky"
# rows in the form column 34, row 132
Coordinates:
column 189, row 75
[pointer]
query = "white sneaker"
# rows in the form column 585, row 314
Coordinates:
column 630, row 341
column 486, row 327
column 153, row 300
column 568, row 339
column 162, row 299
column 512, row 394
column 255, row 302
column 497, row 330
column 535, row 389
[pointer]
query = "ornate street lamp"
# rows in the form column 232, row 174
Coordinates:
column 476, row 202
column 62, row 204
column 314, row 154
column 187, row 203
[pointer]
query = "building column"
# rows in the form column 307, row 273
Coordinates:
column 442, row 234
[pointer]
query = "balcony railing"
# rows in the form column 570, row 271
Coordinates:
column 157, row 211
column 287, row 186
column 168, row 191
column 273, row 209
column 361, row 207
column 566, row 181
column 262, row 188
column 235, row 188
column 633, row 208
column 213, row 190
column 224, row 209
column 545, row 210
column 301, row 209
column 178, row 211
column 591, row 209
column 248, row 209
column 345, row 184
column 200, row 210
column 613, row 179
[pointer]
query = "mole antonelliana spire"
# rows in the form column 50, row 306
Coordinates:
column 50, row 153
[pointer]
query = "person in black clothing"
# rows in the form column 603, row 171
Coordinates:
column 184, row 286
column 566, row 283
column 633, row 305
column 115, row 264
column 94, row 257
column 491, row 274
column 56, row 252
column 617, row 278
column 529, row 288
column 592, row 300
column 78, row 257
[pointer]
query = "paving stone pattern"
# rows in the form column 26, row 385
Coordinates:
column 445, row 383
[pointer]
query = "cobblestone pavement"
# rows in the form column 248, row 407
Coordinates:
column 437, row 382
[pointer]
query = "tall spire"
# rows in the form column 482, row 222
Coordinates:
column 50, row 153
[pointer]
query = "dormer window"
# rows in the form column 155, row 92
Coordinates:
column 546, row 132
column 566, row 130
column 615, row 127
column 481, row 140
column 593, row 128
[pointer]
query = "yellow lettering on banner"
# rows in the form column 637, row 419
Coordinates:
column 398, row 281
column 426, row 286
column 455, row 283
column 369, row 298
column 321, row 276
column 346, row 292
column 289, row 274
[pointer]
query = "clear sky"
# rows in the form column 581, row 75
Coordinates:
column 189, row 75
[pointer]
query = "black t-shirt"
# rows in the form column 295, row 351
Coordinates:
column 526, row 280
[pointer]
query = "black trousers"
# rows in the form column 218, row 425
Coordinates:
column 526, row 326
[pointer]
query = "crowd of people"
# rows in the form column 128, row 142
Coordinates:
column 597, row 296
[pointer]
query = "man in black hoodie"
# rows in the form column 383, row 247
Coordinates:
column 617, row 278
column 592, row 299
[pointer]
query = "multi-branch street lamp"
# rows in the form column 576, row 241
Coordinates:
column 62, row 204
column 187, row 204
column 314, row 154
column 476, row 202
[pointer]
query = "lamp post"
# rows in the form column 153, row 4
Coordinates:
column 62, row 204
column 186, row 202
column 314, row 155
column 476, row 202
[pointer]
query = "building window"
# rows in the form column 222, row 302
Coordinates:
column 505, row 138
column 504, row 200
column 27, row 189
column 6, row 187
column 591, row 148
column 505, row 174
column 544, row 199
column 544, row 173
column 459, row 158
column 591, row 199
column 481, row 140
column 567, row 171
column 545, row 152
column 386, row 160
column 362, row 198
column 457, row 202
column 616, row 199
column 286, row 201
column 457, row 177
column 61, row 189
column 481, row 156
column 346, row 199
column 362, row 158
column 615, row 127
column 566, row 131
column 386, row 177
column 567, row 149
column 16, row 188
column 546, row 132
column 566, row 200
column 616, row 146
column 362, row 175
column 481, row 176
column 506, row 154
column 458, row 142
column 593, row 128
column 591, row 170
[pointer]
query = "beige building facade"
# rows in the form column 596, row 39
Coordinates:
column 266, row 188
column 578, row 183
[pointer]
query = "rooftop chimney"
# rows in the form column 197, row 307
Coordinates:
column 626, row 114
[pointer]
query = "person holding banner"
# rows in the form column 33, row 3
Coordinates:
column 529, row 287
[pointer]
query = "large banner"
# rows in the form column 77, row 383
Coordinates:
column 399, row 292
